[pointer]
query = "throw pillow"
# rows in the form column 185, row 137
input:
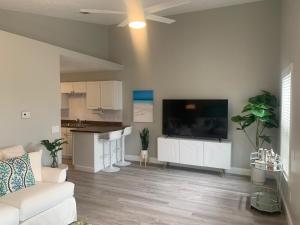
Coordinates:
column 12, row 152
column 15, row 174
column 36, row 164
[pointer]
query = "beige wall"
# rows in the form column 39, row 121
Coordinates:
column 291, row 54
column 87, row 38
column 29, row 72
column 229, row 53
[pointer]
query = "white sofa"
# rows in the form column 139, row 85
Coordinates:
column 50, row 202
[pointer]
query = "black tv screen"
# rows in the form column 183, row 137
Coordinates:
column 195, row 118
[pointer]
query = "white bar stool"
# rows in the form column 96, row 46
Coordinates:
column 127, row 131
column 112, row 136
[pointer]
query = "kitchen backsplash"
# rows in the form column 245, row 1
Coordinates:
column 78, row 109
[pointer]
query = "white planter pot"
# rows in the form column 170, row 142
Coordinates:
column 258, row 177
column 144, row 154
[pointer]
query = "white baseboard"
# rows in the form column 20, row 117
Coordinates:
column 84, row 169
column 286, row 209
column 233, row 170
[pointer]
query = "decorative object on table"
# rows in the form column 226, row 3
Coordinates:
column 54, row 147
column 15, row 174
column 144, row 135
column 143, row 106
column 80, row 223
column 260, row 111
column 266, row 198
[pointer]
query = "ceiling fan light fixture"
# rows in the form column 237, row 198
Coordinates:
column 137, row 24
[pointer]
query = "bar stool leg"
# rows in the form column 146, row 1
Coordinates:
column 111, row 168
column 123, row 162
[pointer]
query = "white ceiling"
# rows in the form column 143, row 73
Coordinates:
column 69, row 9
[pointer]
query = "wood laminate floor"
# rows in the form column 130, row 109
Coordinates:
column 172, row 196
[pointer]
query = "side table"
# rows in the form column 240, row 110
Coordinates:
column 267, row 198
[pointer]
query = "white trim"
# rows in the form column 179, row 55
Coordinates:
column 286, row 209
column 233, row 170
column 84, row 169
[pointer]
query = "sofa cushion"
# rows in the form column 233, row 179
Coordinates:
column 38, row 198
column 12, row 152
column 36, row 164
column 8, row 215
column 15, row 174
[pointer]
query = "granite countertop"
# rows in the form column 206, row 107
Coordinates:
column 98, row 129
column 92, row 126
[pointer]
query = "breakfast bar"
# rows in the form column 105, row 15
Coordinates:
column 91, row 153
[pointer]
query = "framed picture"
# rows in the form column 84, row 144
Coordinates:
column 143, row 106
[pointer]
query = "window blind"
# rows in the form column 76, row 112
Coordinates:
column 285, row 122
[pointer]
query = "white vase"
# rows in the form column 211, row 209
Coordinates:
column 258, row 177
column 144, row 154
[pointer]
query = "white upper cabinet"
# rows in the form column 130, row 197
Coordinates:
column 104, row 95
column 73, row 87
column 66, row 88
column 79, row 87
column 111, row 95
column 93, row 100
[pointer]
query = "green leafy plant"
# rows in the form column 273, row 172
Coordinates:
column 144, row 135
column 54, row 147
column 260, row 111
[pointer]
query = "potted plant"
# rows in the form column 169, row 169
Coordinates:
column 144, row 135
column 261, row 112
column 54, row 147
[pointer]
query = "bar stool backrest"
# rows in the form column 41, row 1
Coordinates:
column 114, row 135
column 127, row 131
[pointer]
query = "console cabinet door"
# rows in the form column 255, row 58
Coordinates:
column 168, row 150
column 191, row 152
column 217, row 155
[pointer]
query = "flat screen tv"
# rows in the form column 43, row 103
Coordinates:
column 195, row 118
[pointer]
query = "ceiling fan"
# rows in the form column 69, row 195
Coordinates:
column 137, row 15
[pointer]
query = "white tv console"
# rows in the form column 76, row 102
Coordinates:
column 194, row 152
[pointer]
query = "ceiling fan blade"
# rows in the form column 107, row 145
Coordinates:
column 123, row 23
column 159, row 19
column 88, row 11
column 166, row 5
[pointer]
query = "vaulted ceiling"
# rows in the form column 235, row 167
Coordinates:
column 69, row 9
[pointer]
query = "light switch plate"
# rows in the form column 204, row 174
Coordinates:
column 26, row 115
column 55, row 129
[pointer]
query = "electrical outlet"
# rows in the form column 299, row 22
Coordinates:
column 26, row 115
column 55, row 129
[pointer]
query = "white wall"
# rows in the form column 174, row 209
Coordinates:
column 291, row 54
column 29, row 81
column 230, row 52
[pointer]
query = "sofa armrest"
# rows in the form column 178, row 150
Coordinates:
column 53, row 175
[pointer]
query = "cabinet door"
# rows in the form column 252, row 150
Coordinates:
column 64, row 101
column 111, row 95
column 69, row 150
column 79, row 87
column 217, row 155
column 65, row 138
column 168, row 150
column 66, row 87
column 93, row 95
column 191, row 152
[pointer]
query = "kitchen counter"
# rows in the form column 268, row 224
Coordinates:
column 98, row 129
